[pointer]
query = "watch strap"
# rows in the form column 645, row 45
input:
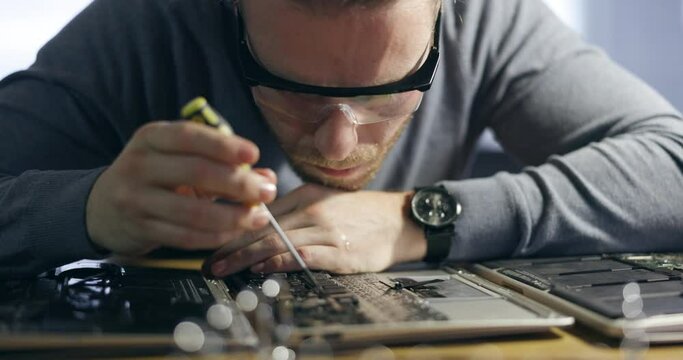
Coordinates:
column 438, row 242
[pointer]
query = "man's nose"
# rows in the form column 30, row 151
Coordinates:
column 336, row 136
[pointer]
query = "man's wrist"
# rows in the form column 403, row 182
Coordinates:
column 412, row 233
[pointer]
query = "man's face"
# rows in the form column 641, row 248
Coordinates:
column 353, row 47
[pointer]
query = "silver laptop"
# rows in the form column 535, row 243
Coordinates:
column 99, row 304
column 636, row 296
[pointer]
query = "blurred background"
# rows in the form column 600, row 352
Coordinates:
column 645, row 37
column 26, row 25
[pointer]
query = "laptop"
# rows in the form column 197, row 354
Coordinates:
column 93, row 304
column 636, row 296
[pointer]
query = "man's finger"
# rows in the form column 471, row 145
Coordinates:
column 216, row 178
column 160, row 232
column 303, row 195
column 316, row 258
column 290, row 223
column 267, row 173
column 287, row 203
column 185, row 137
column 199, row 214
column 265, row 248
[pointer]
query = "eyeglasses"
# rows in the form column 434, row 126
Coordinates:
column 257, row 75
column 359, row 110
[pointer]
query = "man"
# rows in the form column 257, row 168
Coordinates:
column 329, row 101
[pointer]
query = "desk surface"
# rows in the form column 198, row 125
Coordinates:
column 572, row 343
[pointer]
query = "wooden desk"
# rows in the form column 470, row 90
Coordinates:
column 572, row 343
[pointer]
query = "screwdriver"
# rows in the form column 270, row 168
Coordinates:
column 198, row 110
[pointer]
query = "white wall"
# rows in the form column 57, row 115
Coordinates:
column 25, row 25
column 571, row 11
column 646, row 37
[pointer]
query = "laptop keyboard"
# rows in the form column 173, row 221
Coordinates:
column 598, row 282
column 385, row 304
column 347, row 300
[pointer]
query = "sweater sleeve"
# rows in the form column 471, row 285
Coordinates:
column 603, row 150
column 46, row 174
column 57, row 134
column 43, row 221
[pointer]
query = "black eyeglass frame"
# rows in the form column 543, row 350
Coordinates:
column 256, row 75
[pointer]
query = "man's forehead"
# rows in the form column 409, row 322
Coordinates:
column 334, row 7
column 317, row 5
column 359, row 47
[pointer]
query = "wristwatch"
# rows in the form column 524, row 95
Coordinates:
column 435, row 210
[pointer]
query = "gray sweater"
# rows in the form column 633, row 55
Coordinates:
column 603, row 150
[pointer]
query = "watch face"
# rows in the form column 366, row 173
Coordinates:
column 434, row 207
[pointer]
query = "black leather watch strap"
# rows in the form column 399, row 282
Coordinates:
column 438, row 243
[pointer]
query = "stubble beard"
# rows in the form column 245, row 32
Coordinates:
column 371, row 156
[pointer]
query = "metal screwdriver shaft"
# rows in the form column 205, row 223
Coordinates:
column 292, row 250
column 199, row 111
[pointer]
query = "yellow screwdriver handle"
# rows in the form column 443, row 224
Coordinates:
column 199, row 111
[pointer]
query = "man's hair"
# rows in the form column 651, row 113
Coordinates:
column 326, row 5
column 344, row 3
column 333, row 7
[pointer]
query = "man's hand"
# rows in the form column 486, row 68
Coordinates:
column 135, row 205
column 342, row 232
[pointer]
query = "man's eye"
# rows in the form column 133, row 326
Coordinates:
column 374, row 99
column 294, row 96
